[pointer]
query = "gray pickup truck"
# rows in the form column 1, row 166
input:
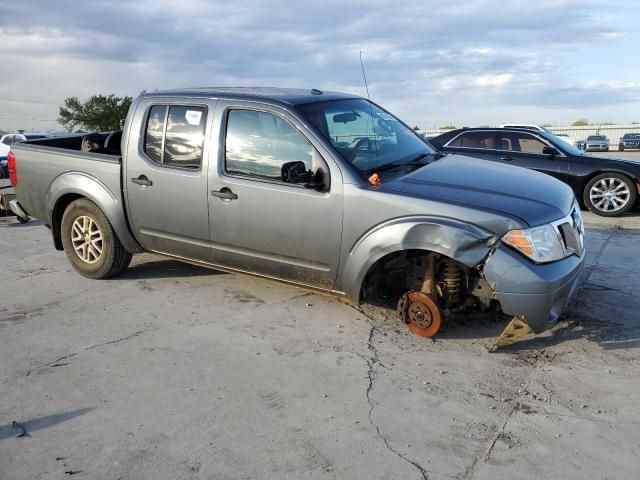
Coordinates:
column 319, row 189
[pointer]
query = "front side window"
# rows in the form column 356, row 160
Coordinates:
column 174, row 135
column 521, row 142
column 8, row 140
column 258, row 145
column 480, row 139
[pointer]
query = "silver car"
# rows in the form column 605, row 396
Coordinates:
column 597, row 143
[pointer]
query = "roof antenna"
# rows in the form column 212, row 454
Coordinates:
column 364, row 76
column 373, row 179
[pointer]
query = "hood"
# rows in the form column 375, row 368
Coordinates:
column 532, row 197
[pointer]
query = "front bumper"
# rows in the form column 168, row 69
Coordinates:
column 597, row 147
column 538, row 293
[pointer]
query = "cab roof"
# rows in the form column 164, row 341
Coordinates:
column 289, row 96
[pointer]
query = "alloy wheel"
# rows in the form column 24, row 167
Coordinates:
column 86, row 238
column 609, row 194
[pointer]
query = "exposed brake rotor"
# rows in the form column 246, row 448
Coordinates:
column 421, row 313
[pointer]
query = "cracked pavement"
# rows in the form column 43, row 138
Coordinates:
column 174, row 371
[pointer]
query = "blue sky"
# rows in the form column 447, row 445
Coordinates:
column 431, row 63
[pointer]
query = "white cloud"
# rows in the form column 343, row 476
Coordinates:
column 473, row 62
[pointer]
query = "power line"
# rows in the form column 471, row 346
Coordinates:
column 23, row 100
column 28, row 119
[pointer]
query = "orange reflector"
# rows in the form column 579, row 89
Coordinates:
column 518, row 239
column 374, row 180
column 638, row 187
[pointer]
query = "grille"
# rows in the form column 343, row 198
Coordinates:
column 571, row 231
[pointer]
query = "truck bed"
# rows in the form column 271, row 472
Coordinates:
column 40, row 162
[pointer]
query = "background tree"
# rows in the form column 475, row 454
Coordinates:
column 581, row 122
column 99, row 113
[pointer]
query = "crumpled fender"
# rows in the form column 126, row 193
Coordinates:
column 465, row 243
column 82, row 184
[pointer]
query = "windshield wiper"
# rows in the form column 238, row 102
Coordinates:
column 390, row 166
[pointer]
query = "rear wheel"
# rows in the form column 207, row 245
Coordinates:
column 610, row 194
column 90, row 243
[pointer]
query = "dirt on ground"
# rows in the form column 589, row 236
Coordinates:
column 174, row 371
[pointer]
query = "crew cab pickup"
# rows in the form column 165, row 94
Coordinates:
column 324, row 190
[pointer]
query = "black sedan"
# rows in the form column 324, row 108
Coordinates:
column 608, row 187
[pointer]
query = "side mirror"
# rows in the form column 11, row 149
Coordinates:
column 295, row 172
column 552, row 151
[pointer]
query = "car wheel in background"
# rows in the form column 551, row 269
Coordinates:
column 621, row 149
column 90, row 243
column 610, row 194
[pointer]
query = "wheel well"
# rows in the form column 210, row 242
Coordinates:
column 56, row 217
column 398, row 272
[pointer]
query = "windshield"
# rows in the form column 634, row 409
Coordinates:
column 563, row 144
column 596, row 137
column 365, row 135
column 631, row 136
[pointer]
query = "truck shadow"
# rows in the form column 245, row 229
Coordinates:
column 165, row 268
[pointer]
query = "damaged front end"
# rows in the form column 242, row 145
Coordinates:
column 435, row 290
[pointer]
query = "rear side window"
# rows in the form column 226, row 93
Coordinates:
column 521, row 142
column 154, row 133
column 174, row 135
column 484, row 140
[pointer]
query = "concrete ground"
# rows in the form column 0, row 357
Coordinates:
column 173, row 371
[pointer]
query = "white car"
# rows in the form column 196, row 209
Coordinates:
column 9, row 139
column 525, row 125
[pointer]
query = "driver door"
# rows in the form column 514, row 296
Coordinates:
column 261, row 223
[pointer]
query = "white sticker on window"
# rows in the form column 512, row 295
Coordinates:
column 386, row 116
column 193, row 117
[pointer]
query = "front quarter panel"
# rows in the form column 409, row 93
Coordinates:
column 463, row 242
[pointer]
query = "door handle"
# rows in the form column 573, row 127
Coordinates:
column 507, row 159
column 142, row 180
column 224, row 193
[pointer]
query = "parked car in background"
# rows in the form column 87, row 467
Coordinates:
column 629, row 141
column 320, row 189
column 5, row 145
column 598, row 143
column 581, row 144
column 528, row 126
column 608, row 187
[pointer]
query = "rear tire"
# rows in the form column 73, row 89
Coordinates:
column 90, row 243
column 610, row 194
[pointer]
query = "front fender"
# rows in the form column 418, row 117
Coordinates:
column 78, row 183
column 460, row 241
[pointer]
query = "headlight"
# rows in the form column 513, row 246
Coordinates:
column 541, row 244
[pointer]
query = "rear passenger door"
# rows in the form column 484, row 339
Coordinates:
column 525, row 149
column 479, row 144
column 165, row 176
